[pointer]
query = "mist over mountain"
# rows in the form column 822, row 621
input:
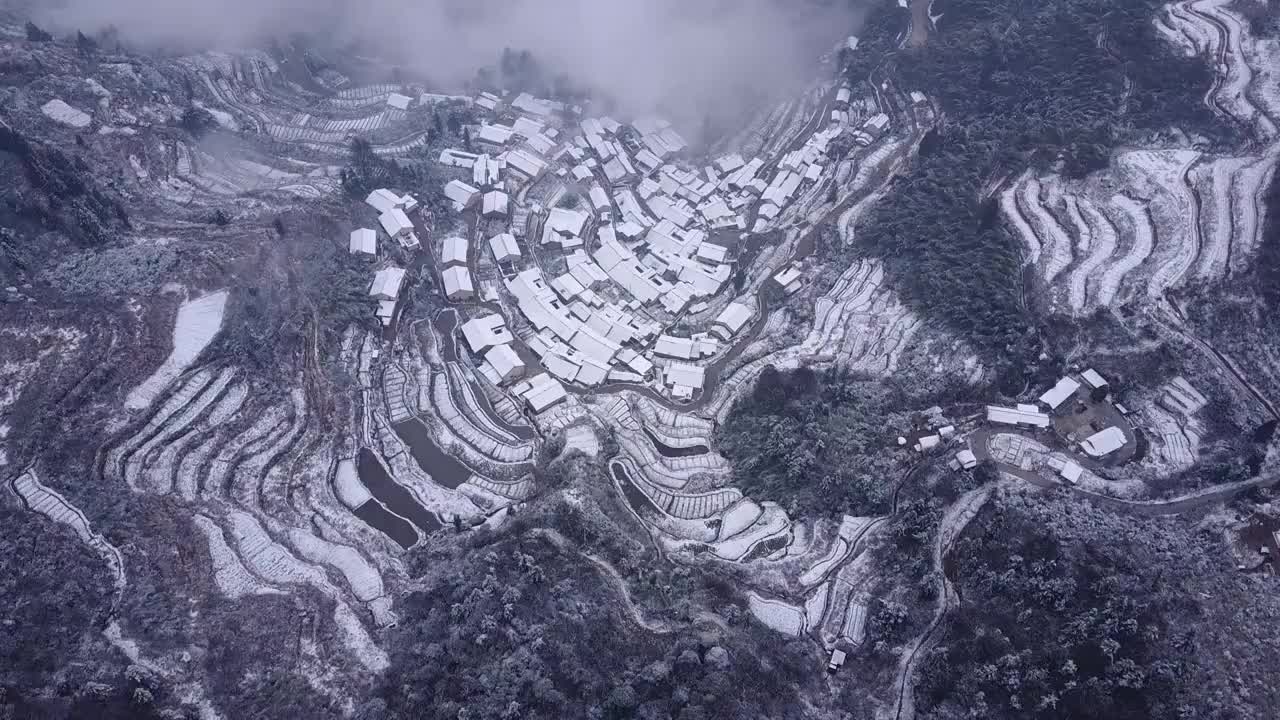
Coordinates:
column 687, row 57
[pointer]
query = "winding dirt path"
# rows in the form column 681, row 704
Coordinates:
column 613, row 578
column 954, row 521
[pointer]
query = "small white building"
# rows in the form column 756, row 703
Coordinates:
column 364, row 241
column 504, row 247
column 731, row 320
column 386, row 283
column 396, row 223
column 1071, row 472
column 684, row 379
column 1093, row 379
column 457, row 283
column 454, row 251
column 966, row 459
column 505, row 364
column 1060, row 393
column 837, row 660
column 540, row 392
column 788, row 279
column 486, row 332
column 382, row 200
column 927, row 443
column 486, row 171
column 675, row 347
column 1104, row 442
column 460, row 194
column 1019, row 416
column 496, row 204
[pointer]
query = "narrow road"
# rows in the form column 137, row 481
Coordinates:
column 1178, row 327
column 953, row 524
column 612, row 577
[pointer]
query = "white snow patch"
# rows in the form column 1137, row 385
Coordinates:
column 229, row 573
column 58, row 111
column 197, row 324
column 777, row 615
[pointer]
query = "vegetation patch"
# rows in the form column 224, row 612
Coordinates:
column 1053, row 85
column 1070, row 611
column 820, row 445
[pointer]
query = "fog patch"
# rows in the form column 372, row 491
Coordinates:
column 684, row 57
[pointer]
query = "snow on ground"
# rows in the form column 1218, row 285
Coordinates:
column 783, row 617
column 357, row 639
column 1009, row 205
column 739, row 517
column 836, row 555
column 816, row 606
column 361, row 577
column 58, row 111
column 48, row 502
column 1056, row 244
column 1143, row 240
column 773, row 521
column 347, row 486
column 198, row 322
column 229, row 573
column 582, row 437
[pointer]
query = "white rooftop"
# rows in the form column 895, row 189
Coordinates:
column 364, row 241
column 1104, row 442
column 1059, row 393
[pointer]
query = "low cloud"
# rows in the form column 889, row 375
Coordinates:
column 690, row 56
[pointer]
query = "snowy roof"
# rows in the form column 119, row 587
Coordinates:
column 496, row 202
column 1092, row 377
column 712, row 253
column 486, row 171
column 1014, row 416
column 788, row 277
column 485, row 332
column 674, row 347
column 457, row 282
column 1071, row 471
column 455, row 251
column 505, row 362
column 566, row 222
column 504, row 247
column 540, row 392
column 527, row 127
column 386, row 283
column 734, row 317
column 685, row 375
column 534, row 106
column 1056, row 395
column 459, row 193
column 395, row 222
column 458, row 158
column 1104, row 442
column 364, row 241
column 525, row 163
column 59, row 111
column 382, row 200
column 494, row 134
column 599, row 199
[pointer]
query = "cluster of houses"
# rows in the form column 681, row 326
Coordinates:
column 393, row 215
column 644, row 248
column 650, row 240
column 1058, row 400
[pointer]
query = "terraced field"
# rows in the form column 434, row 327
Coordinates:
column 1157, row 220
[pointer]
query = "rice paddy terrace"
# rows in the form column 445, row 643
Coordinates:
column 288, row 492
column 1158, row 220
